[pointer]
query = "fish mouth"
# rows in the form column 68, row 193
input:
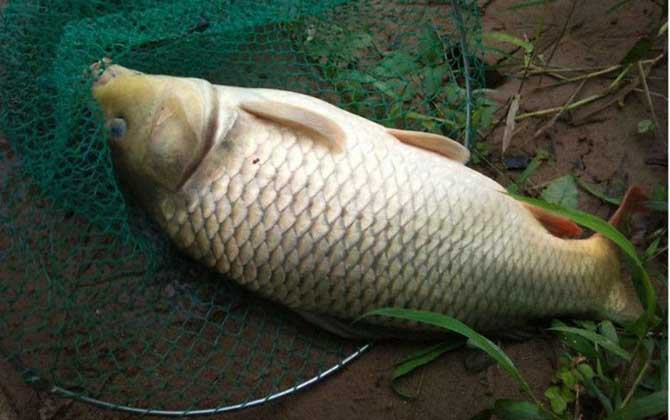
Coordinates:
column 103, row 71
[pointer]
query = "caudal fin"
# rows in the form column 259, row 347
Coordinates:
column 633, row 202
column 622, row 303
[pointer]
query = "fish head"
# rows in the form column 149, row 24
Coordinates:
column 156, row 126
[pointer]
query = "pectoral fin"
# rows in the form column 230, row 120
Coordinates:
column 310, row 121
column 433, row 142
column 361, row 330
column 342, row 328
column 557, row 225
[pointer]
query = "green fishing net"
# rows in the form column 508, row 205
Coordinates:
column 94, row 301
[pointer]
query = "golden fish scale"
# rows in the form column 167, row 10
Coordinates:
column 382, row 224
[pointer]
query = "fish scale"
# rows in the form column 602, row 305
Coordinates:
column 402, row 231
column 380, row 223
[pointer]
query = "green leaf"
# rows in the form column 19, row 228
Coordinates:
column 643, row 407
column 430, row 47
column 587, row 324
column 586, row 371
column 530, row 3
column 423, row 117
column 651, row 249
column 645, row 126
column 638, row 52
column 579, row 344
column 594, row 390
column 509, row 39
column 359, row 40
column 659, row 199
column 418, row 359
column 598, row 339
column 607, row 329
column 395, row 64
column 518, row 410
column 432, row 79
column 397, row 110
column 610, row 232
column 567, row 378
column 562, row 191
column 593, row 191
column 567, row 394
column 534, row 165
column 454, row 325
column 482, row 115
column 423, row 356
column 360, row 77
column 558, row 403
column 540, row 156
column 663, row 371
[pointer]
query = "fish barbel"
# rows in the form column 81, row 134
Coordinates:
column 333, row 215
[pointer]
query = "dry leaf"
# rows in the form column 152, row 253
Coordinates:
column 510, row 123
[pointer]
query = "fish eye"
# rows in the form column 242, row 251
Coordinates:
column 117, row 128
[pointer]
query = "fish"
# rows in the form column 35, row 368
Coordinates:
column 333, row 215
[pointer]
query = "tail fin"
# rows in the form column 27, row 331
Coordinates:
column 632, row 202
column 622, row 303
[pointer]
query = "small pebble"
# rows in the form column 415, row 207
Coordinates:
column 519, row 162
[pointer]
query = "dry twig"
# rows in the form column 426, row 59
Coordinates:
column 559, row 113
column 643, row 79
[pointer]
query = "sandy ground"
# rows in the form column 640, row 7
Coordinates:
column 606, row 150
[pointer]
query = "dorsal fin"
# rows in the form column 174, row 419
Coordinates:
column 555, row 224
column 317, row 124
column 434, row 142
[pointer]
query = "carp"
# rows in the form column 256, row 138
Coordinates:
column 333, row 215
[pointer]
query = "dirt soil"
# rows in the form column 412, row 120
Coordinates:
column 606, row 150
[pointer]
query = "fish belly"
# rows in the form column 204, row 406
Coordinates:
column 380, row 225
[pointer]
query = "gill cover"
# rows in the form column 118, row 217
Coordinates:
column 171, row 125
column 173, row 145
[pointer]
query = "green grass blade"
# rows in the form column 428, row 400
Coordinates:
column 418, row 359
column 509, row 39
column 598, row 339
column 657, row 205
column 529, row 3
column 610, row 232
column 590, row 385
column 594, row 192
column 642, row 408
column 422, row 357
column 528, row 172
column 518, row 410
column 454, row 325
column 616, row 6
column 663, row 371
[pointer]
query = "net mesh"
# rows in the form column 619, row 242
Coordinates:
column 93, row 298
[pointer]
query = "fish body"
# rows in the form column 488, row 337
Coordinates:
column 333, row 215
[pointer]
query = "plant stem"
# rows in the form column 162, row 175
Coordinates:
column 563, row 30
column 659, row 252
column 559, row 113
column 643, row 78
column 586, row 76
column 558, row 69
column 612, row 87
column 652, row 93
column 636, row 383
column 549, row 111
column 619, row 77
